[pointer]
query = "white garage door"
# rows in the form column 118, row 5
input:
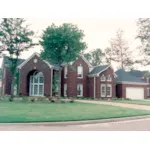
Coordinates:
column 134, row 93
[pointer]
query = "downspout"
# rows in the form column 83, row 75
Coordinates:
column 51, row 81
column 94, row 88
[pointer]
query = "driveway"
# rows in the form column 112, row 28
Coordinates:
column 135, row 106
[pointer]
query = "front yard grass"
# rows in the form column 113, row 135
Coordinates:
column 139, row 102
column 13, row 112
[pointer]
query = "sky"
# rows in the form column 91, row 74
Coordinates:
column 97, row 32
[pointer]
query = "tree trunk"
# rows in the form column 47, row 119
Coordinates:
column 59, row 83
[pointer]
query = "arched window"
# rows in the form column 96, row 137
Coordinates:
column 37, row 84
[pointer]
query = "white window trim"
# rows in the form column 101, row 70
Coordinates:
column 65, row 72
column 81, row 90
column 65, row 90
column 81, row 72
column 103, row 78
column 109, row 78
column 109, row 85
column 103, row 95
column 38, row 84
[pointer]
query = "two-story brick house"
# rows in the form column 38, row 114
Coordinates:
column 79, row 78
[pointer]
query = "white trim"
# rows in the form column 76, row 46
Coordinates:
column 103, row 85
column 86, row 61
column 33, row 84
column 34, row 54
column 65, row 90
column 65, row 71
column 81, row 72
column 136, row 83
column 109, row 78
column 102, row 77
column 109, row 85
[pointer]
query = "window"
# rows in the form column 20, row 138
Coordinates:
column 80, row 71
column 79, row 90
column 103, row 78
column 37, row 84
column 109, row 78
column 148, row 92
column 65, row 89
column 109, row 90
column 103, row 90
column 65, row 72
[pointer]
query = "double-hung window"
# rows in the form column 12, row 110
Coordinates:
column 80, row 72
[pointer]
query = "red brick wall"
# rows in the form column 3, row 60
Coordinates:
column 72, row 79
column 41, row 66
column 107, row 72
column 121, row 89
column 91, row 87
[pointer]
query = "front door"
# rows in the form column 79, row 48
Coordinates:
column 37, row 84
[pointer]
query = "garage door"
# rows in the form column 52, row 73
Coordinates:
column 134, row 93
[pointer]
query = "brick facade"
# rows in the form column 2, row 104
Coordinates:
column 72, row 80
column 30, row 66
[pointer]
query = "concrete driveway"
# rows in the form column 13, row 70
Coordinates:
column 135, row 106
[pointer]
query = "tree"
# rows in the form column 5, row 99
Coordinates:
column 95, row 57
column 119, row 51
column 15, row 38
column 143, row 35
column 61, row 44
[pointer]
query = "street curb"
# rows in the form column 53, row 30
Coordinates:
column 67, row 123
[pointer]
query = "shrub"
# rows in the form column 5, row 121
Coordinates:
column 71, row 100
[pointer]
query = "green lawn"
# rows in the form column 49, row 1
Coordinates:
column 139, row 102
column 51, row 112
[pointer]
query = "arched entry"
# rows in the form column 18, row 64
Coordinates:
column 36, row 84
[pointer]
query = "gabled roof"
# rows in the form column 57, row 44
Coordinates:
column 123, row 76
column 98, row 69
column 36, row 54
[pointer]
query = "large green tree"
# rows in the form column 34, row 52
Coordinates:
column 15, row 37
column 62, row 44
column 95, row 57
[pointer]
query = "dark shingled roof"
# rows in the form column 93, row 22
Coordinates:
column 123, row 76
column 137, row 73
column 7, row 61
column 97, row 69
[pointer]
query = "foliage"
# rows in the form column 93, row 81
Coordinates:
column 119, row 51
column 95, row 57
column 15, row 38
column 61, row 44
column 143, row 35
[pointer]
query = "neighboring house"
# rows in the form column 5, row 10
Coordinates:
column 131, row 86
column 79, row 78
